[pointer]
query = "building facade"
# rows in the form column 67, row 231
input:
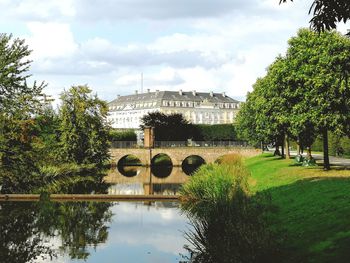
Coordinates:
column 196, row 107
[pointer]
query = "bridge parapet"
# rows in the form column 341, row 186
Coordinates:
column 178, row 155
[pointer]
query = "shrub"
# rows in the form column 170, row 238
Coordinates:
column 122, row 135
column 216, row 132
column 230, row 159
column 228, row 224
column 215, row 185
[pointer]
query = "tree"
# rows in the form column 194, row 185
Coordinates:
column 319, row 67
column 84, row 131
column 327, row 13
column 303, row 94
column 259, row 118
column 18, row 103
column 172, row 127
column 17, row 98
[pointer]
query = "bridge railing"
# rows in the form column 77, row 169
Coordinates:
column 166, row 144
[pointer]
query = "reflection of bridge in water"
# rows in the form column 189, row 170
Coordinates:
column 179, row 154
column 144, row 182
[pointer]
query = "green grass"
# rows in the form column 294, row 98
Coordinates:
column 312, row 208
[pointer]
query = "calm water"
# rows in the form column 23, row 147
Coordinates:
column 141, row 180
column 91, row 232
column 64, row 232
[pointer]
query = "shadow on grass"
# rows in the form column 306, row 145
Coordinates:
column 312, row 219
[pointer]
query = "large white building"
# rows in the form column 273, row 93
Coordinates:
column 196, row 107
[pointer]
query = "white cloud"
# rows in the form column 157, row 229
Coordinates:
column 51, row 40
column 198, row 44
column 37, row 10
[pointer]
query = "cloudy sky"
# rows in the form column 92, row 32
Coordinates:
column 203, row 45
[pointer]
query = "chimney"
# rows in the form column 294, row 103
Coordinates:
column 211, row 94
column 136, row 92
column 224, row 94
column 180, row 92
column 194, row 92
column 148, row 90
column 118, row 96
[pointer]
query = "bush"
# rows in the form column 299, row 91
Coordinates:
column 122, row 135
column 228, row 224
column 216, row 132
column 213, row 184
column 230, row 159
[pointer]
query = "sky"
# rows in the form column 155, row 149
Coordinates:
column 202, row 45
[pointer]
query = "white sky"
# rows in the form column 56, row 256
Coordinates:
column 203, row 45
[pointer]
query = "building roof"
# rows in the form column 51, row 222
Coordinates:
column 159, row 96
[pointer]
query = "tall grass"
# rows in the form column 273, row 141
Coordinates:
column 228, row 224
column 213, row 185
column 231, row 159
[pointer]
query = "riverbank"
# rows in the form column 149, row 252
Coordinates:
column 311, row 208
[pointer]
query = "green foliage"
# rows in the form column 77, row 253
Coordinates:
column 83, row 129
column 213, row 184
column 304, row 94
column 339, row 145
column 216, row 132
column 17, row 98
column 122, row 135
column 228, row 224
column 18, row 103
column 172, row 127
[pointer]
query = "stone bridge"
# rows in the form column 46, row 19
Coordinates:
column 179, row 154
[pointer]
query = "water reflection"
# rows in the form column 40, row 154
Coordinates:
column 232, row 232
column 129, row 171
column 161, row 171
column 27, row 229
column 145, row 182
column 90, row 232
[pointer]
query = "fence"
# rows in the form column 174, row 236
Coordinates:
column 168, row 144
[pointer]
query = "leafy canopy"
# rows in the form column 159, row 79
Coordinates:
column 84, row 131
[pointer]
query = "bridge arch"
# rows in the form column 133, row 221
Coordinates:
column 191, row 163
column 161, row 159
column 129, row 160
column 161, row 165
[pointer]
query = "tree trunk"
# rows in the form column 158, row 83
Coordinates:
column 286, row 138
column 298, row 149
column 277, row 151
column 326, row 165
column 308, row 154
column 282, row 150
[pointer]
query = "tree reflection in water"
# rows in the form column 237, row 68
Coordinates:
column 232, row 232
column 26, row 229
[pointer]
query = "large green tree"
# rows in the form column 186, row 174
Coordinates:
column 319, row 67
column 84, row 131
column 19, row 101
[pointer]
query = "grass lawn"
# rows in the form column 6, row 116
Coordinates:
column 312, row 208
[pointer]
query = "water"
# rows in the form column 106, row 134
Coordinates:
column 62, row 232
column 91, row 232
column 142, row 180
